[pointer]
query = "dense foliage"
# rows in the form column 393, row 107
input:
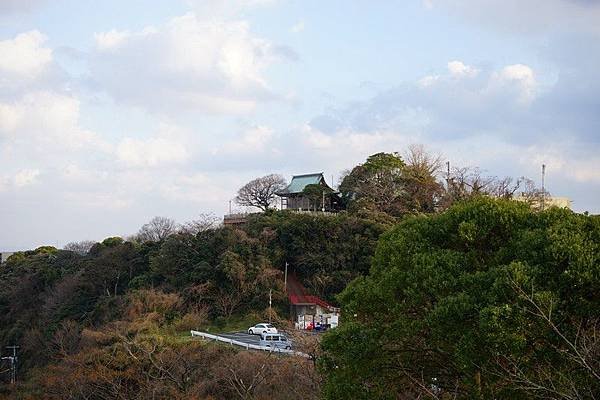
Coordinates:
column 486, row 300
column 326, row 252
column 215, row 273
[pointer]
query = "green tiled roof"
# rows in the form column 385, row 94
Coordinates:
column 299, row 182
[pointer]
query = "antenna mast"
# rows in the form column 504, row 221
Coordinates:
column 543, row 186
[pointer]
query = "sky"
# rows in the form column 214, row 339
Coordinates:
column 117, row 111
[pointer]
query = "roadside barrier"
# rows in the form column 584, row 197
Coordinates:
column 247, row 346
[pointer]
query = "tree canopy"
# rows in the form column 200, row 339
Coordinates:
column 376, row 184
column 486, row 300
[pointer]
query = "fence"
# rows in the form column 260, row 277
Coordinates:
column 247, row 346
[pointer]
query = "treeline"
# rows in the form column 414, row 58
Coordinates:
column 388, row 187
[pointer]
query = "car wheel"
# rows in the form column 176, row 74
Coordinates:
column 287, row 347
column 250, row 331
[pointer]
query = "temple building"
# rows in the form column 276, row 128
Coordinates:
column 297, row 197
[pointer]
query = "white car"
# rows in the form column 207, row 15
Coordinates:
column 259, row 329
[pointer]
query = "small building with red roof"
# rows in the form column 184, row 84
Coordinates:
column 307, row 310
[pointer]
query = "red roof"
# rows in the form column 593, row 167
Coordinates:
column 297, row 294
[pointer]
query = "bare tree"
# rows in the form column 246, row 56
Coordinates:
column 244, row 373
column 251, row 375
column 422, row 191
column 477, row 183
column 534, row 196
column 159, row 228
column 260, row 192
column 66, row 339
column 81, row 248
column 465, row 182
column 227, row 301
column 203, row 223
column 506, row 187
column 418, row 158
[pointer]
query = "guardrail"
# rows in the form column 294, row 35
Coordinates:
column 247, row 346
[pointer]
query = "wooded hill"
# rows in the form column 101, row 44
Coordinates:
column 448, row 289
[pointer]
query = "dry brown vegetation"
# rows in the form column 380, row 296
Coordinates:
column 133, row 358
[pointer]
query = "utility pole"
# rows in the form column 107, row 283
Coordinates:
column 229, row 207
column 448, row 174
column 13, row 363
column 543, row 186
column 285, row 277
column 270, row 292
column 323, row 208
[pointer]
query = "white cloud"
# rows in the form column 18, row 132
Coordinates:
column 111, row 39
column 98, row 200
column 75, row 173
column 220, row 8
column 255, row 140
column 586, row 170
column 10, row 118
column 26, row 177
column 563, row 158
column 23, row 57
column 441, row 106
column 188, row 64
column 196, row 188
column 428, row 80
column 45, row 118
column 258, row 137
column 459, row 69
column 347, row 144
column 519, row 75
column 315, row 138
column 151, row 152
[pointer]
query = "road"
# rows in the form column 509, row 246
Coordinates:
column 242, row 337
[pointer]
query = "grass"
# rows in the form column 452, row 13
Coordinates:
column 233, row 324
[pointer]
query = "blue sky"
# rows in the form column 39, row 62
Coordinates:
column 113, row 112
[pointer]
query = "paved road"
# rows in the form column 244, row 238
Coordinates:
column 242, row 337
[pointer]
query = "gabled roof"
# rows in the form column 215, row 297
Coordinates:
column 299, row 182
column 297, row 294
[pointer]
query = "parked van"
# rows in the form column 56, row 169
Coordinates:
column 275, row 340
